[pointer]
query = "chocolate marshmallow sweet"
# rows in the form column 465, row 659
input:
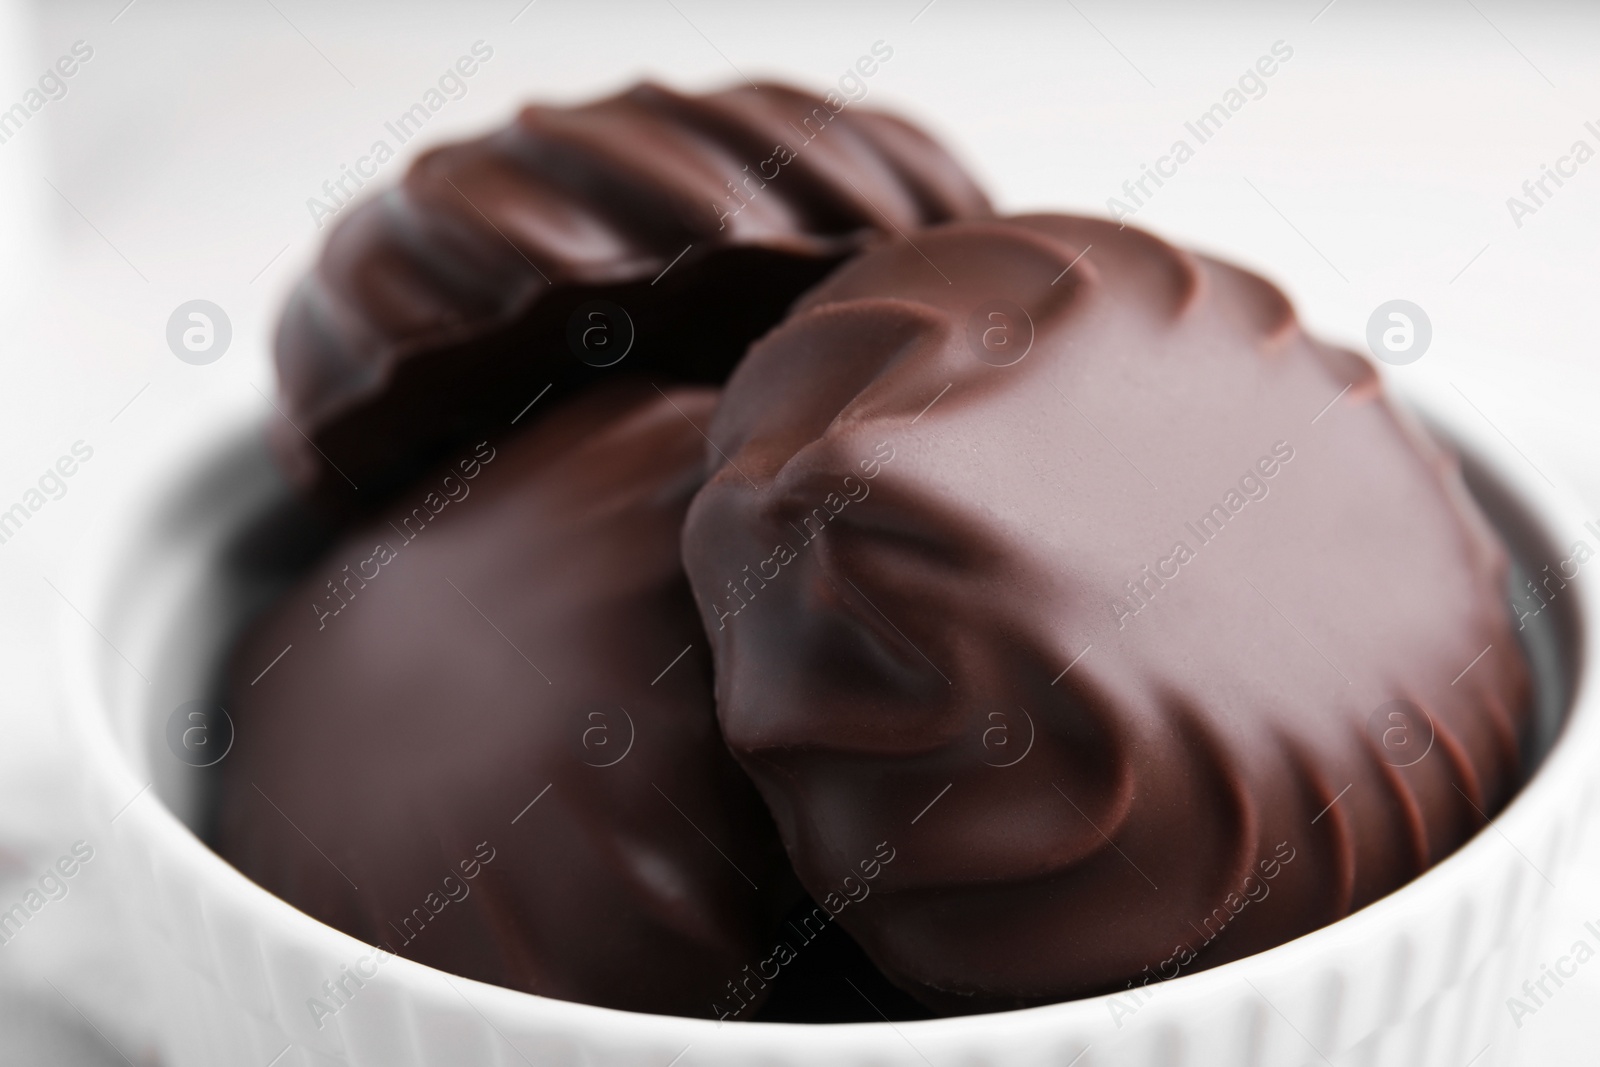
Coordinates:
column 649, row 231
column 1144, row 629
column 480, row 733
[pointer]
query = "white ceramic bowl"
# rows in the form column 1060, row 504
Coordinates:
column 1418, row 978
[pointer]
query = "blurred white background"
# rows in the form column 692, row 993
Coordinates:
column 178, row 164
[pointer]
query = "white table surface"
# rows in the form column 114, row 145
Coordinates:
column 178, row 165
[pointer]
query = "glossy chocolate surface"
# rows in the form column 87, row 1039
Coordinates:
column 649, row 231
column 479, row 733
column 1143, row 628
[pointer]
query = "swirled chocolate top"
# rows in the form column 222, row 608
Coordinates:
column 1144, row 628
column 647, row 231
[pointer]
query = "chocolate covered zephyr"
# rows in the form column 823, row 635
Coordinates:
column 480, row 734
column 1143, row 628
column 647, row 231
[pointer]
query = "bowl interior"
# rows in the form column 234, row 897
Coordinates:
column 230, row 537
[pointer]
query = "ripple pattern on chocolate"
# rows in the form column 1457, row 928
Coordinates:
column 1097, row 629
column 440, row 309
column 490, row 745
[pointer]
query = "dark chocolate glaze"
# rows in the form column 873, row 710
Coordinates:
column 441, row 308
column 829, row 979
column 949, row 612
column 525, row 635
